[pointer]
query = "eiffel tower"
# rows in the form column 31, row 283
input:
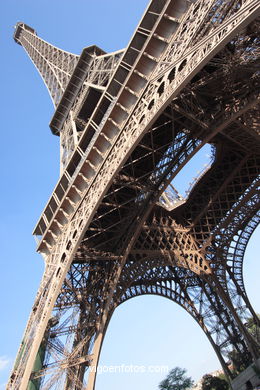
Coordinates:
column 115, row 227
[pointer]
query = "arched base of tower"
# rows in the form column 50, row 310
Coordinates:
column 249, row 378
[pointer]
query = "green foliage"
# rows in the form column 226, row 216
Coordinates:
column 176, row 380
column 210, row 382
column 239, row 362
column 223, row 376
column 253, row 328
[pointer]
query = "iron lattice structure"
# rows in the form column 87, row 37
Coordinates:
column 115, row 227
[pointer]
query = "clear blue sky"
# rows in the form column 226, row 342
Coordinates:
column 146, row 330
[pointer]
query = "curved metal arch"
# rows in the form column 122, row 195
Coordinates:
column 132, row 271
column 162, row 291
column 205, row 320
column 236, row 287
column 239, row 216
column 237, row 233
column 240, row 248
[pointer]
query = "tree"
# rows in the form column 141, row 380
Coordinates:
column 210, row 382
column 223, row 376
column 253, row 328
column 176, row 380
column 240, row 362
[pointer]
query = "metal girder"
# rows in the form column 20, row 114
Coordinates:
column 187, row 78
column 54, row 65
column 197, row 298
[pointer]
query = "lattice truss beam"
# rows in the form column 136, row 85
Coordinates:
column 70, row 80
column 54, row 65
column 116, row 228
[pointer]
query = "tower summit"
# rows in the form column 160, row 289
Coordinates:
column 75, row 83
column 115, row 227
column 54, row 65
